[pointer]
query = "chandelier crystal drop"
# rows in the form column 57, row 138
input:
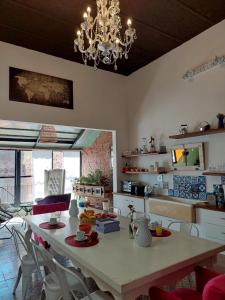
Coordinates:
column 99, row 39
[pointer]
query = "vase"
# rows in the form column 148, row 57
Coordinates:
column 73, row 210
column 220, row 121
column 143, row 235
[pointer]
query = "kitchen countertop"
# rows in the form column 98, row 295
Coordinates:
column 201, row 204
column 129, row 195
column 210, row 207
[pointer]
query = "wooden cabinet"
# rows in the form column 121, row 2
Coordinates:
column 122, row 201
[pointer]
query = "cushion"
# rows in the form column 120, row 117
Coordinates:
column 187, row 294
column 215, row 289
column 156, row 293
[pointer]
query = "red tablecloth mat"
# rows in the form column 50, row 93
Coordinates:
column 47, row 225
column 102, row 216
column 70, row 240
column 165, row 233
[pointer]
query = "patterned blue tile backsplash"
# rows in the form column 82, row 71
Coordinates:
column 223, row 180
column 190, row 187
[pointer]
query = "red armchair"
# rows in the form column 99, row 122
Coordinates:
column 44, row 209
column 48, row 208
column 209, row 286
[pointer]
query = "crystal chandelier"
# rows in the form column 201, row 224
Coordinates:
column 100, row 39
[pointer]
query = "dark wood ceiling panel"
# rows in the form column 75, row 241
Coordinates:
column 43, row 26
column 168, row 16
column 162, row 25
column 212, row 10
column 65, row 11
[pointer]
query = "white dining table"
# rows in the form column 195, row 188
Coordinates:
column 120, row 266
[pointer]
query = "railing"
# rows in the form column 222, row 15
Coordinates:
column 7, row 193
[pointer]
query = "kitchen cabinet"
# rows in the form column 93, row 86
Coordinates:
column 122, row 201
column 211, row 225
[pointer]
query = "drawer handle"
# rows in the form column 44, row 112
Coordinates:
column 222, row 219
column 222, row 232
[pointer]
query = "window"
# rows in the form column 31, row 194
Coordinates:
column 22, row 172
column 7, row 176
column 26, row 168
column 70, row 161
column 42, row 160
column 47, row 160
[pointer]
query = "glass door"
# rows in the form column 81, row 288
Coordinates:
column 26, row 171
column 7, row 176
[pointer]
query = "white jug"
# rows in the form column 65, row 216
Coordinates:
column 73, row 210
column 143, row 235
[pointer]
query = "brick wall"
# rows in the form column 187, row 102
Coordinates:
column 98, row 156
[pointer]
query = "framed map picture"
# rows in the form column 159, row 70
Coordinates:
column 30, row 87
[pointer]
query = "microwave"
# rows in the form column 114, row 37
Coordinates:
column 126, row 186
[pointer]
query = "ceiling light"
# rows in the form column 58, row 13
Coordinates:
column 99, row 39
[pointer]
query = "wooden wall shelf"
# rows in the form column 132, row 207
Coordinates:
column 153, row 173
column 144, row 154
column 197, row 133
column 208, row 173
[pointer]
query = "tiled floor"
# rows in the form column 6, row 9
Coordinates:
column 9, row 264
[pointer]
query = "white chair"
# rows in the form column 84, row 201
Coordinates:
column 54, row 182
column 63, row 274
column 185, row 227
column 61, row 281
column 28, row 265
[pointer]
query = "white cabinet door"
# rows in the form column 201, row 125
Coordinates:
column 122, row 202
column 139, row 204
column 211, row 224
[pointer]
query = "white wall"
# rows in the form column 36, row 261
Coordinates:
column 99, row 96
column 153, row 101
column 160, row 100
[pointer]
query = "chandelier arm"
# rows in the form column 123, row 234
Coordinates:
column 99, row 38
column 81, row 50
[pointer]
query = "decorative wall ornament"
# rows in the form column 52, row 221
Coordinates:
column 31, row 87
column 218, row 60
